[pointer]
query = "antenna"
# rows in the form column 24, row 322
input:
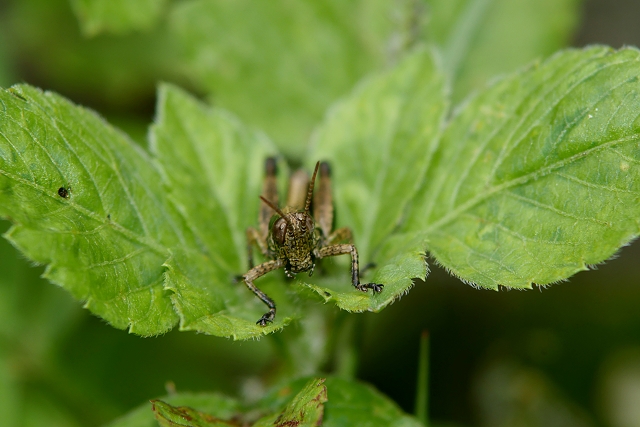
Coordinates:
column 275, row 208
column 307, row 205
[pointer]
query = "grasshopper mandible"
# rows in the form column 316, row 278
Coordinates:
column 289, row 237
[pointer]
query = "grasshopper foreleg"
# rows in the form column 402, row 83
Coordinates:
column 348, row 248
column 253, row 274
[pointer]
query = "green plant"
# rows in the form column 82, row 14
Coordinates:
column 528, row 181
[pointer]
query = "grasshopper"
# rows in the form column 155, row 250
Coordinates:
column 291, row 238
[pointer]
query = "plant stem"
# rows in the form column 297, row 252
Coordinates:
column 346, row 355
column 345, row 342
column 283, row 353
column 422, row 387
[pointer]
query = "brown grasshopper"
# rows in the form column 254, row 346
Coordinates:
column 289, row 238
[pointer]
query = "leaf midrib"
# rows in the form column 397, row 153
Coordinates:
column 466, row 206
column 152, row 244
column 115, row 167
column 148, row 242
column 508, row 148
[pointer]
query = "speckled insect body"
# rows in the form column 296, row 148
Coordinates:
column 64, row 192
column 289, row 238
column 293, row 238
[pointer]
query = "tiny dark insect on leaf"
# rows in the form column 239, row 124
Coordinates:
column 291, row 238
column 64, row 192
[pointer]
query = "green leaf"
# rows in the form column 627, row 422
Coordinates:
column 107, row 241
column 279, row 64
column 224, row 407
column 380, row 140
column 537, row 177
column 116, row 16
column 304, row 402
column 175, row 416
column 483, row 38
column 349, row 403
column 306, row 409
column 137, row 242
column 353, row 403
column 213, row 167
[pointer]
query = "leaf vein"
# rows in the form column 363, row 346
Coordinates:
column 508, row 148
column 15, row 150
column 520, row 236
column 490, row 137
column 111, row 162
column 589, row 184
column 472, row 250
column 124, row 295
column 207, row 171
column 626, row 157
column 117, row 260
column 54, row 122
column 451, row 215
column 152, row 244
column 554, row 209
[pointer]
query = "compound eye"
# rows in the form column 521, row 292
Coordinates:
column 279, row 231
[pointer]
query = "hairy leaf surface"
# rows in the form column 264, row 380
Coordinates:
column 223, row 407
column 184, row 416
column 538, row 176
column 107, row 240
column 136, row 241
column 306, row 409
column 349, row 403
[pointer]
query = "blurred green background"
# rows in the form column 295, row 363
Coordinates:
column 566, row 355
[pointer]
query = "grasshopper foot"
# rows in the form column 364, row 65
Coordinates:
column 364, row 287
column 266, row 318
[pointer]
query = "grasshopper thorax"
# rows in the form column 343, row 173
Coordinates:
column 293, row 238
